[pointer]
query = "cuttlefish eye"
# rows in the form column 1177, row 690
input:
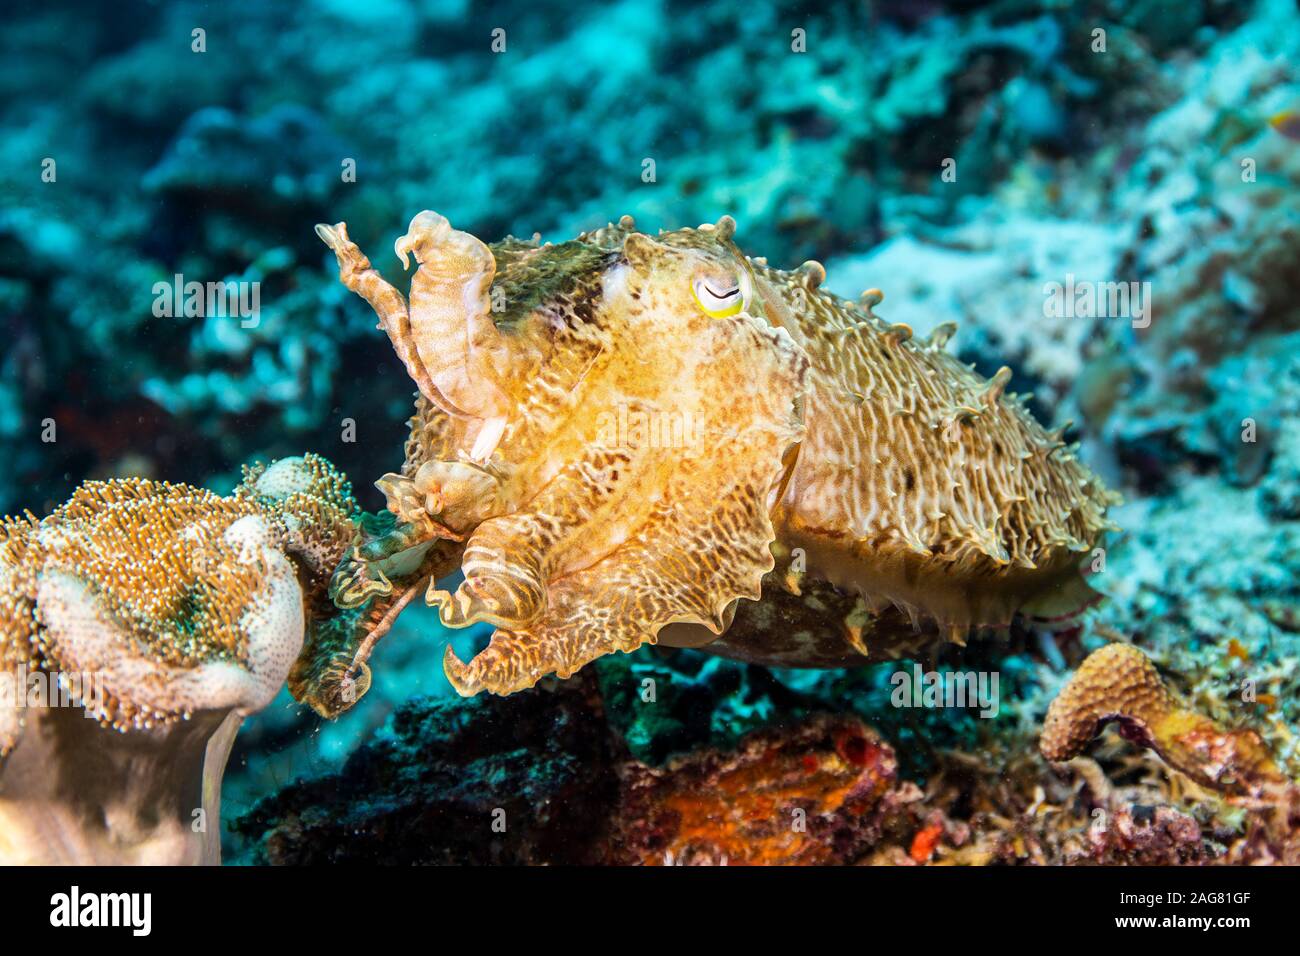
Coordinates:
column 720, row 298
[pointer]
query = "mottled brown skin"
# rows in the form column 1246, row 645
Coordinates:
column 620, row 437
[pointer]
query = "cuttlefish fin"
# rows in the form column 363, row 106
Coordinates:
column 1061, row 606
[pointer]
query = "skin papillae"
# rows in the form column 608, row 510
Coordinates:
column 140, row 622
column 626, row 439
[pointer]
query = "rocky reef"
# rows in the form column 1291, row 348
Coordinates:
column 1104, row 196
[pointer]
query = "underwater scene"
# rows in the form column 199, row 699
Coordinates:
column 650, row 433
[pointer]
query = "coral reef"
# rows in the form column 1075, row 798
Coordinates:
column 1118, row 682
column 520, row 780
column 142, row 622
column 964, row 157
column 552, row 785
column 808, row 795
column 545, row 777
column 217, row 158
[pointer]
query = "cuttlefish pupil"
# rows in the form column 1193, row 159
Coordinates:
column 860, row 494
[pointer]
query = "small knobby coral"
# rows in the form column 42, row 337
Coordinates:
column 167, row 613
column 1119, row 683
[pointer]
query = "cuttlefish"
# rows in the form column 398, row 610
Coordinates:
column 627, row 439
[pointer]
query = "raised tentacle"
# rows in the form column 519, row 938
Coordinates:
column 455, row 337
column 360, row 277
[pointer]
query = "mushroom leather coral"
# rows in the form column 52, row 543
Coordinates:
column 620, row 437
column 176, row 598
column 167, row 613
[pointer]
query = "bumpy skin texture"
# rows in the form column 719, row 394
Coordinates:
column 620, row 437
column 1119, row 683
column 919, row 485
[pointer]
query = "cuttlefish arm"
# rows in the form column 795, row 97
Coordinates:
column 357, row 274
column 685, row 565
column 704, row 543
column 454, row 334
column 450, row 347
column 445, row 338
column 621, row 537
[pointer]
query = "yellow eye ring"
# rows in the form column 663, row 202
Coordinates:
column 718, row 304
